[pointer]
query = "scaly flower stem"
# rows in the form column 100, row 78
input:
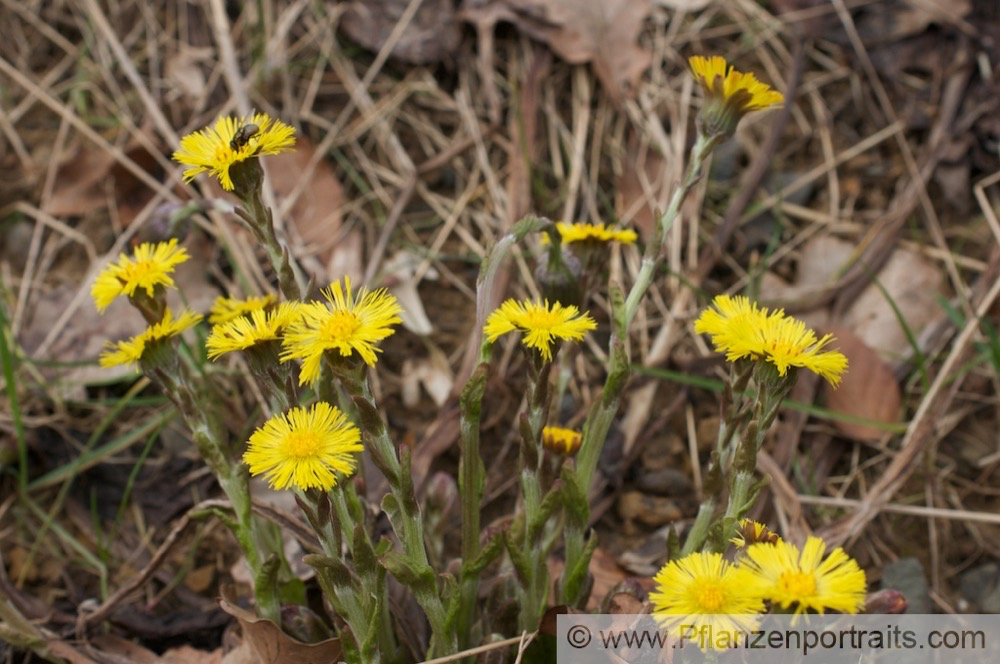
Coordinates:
column 208, row 435
column 258, row 216
column 470, row 488
column 404, row 515
column 602, row 414
column 771, row 392
column 654, row 250
column 536, row 582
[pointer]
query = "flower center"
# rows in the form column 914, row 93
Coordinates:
column 798, row 584
column 301, row 444
column 137, row 271
column 710, row 597
column 541, row 319
column 341, row 325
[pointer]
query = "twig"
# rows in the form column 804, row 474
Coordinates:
column 935, row 403
column 85, row 619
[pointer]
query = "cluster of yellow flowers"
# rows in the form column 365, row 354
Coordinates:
column 739, row 328
column 705, row 590
column 293, row 449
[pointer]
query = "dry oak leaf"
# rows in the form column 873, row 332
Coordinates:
column 273, row 646
column 869, row 389
column 432, row 35
column 604, row 33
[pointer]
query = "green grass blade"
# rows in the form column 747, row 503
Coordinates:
column 7, row 359
column 808, row 408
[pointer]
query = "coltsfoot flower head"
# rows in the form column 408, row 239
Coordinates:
column 704, row 590
column 149, row 266
column 225, row 309
column 131, row 351
column 729, row 94
column 541, row 323
column 258, row 326
column 304, row 448
column 214, row 149
column 583, row 232
column 753, row 532
column 739, row 328
column 346, row 323
column 787, row 577
column 561, row 441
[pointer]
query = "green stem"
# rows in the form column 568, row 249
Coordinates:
column 602, row 414
column 408, row 526
column 261, row 222
column 470, row 489
column 699, row 529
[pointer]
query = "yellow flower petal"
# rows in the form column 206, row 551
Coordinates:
column 247, row 331
column 210, row 150
column 739, row 328
column 346, row 323
column 225, row 309
column 131, row 350
column 787, row 576
column 541, row 324
column 561, row 441
column 704, row 590
column 581, row 232
column 729, row 94
column 149, row 266
column 304, row 448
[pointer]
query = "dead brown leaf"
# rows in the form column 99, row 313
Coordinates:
column 604, row 33
column 272, row 646
column 641, row 188
column 913, row 284
column 184, row 72
column 315, row 215
column 80, row 183
column 922, row 13
column 431, row 36
column 869, row 389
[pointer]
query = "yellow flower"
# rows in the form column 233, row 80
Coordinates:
column 304, row 448
column 246, row 331
column 705, row 591
column 729, row 94
column 226, row 309
column 739, row 328
column 149, row 266
column 347, row 323
column 785, row 576
column 211, row 150
column 540, row 323
column 753, row 532
column 131, row 350
column 581, row 232
column 561, row 441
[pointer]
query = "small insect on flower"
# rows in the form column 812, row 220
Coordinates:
column 243, row 135
column 230, row 141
